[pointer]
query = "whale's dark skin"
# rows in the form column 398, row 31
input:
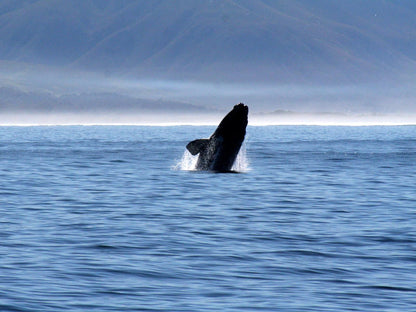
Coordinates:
column 219, row 152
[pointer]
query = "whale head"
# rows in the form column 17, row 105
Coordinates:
column 233, row 126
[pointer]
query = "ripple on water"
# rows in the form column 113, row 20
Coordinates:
column 95, row 219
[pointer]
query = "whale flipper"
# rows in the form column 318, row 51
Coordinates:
column 197, row 146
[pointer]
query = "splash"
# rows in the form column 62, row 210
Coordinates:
column 188, row 161
column 241, row 163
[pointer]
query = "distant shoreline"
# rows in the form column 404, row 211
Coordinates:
column 294, row 119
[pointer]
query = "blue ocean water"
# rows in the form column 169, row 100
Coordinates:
column 103, row 218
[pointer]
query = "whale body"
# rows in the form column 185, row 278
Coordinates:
column 219, row 152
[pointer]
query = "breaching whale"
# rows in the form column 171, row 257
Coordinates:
column 219, row 152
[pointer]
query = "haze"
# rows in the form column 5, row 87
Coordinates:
column 165, row 62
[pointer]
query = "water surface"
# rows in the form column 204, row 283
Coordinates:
column 103, row 219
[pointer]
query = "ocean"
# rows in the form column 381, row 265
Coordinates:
column 113, row 218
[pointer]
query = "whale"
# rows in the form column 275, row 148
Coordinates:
column 219, row 151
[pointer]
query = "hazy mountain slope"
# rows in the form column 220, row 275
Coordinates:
column 15, row 101
column 292, row 40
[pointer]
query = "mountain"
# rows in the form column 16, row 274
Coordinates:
column 14, row 100
column 320, row 41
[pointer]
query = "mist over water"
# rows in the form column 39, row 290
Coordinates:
column 201, row 119
column 54, row 96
